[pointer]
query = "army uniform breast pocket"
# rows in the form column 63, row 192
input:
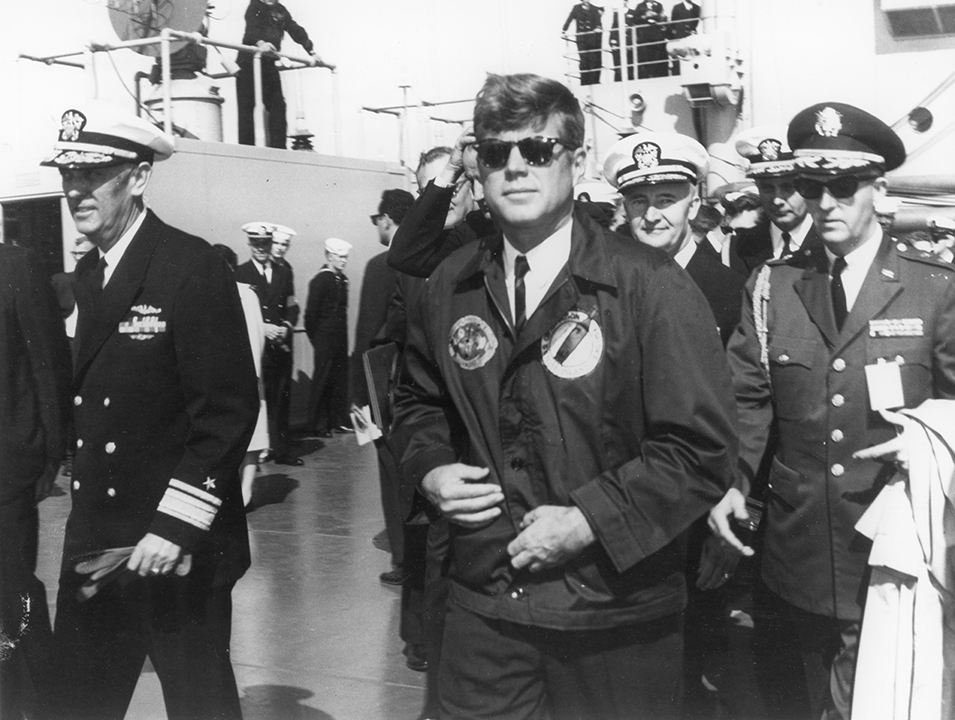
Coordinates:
column 913, row 355
column 791, row 369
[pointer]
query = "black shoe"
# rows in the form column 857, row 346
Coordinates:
column 395, row 576
column 343, row 430
column 289, row 460
column 417, row 657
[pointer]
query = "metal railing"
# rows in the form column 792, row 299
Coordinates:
column 165, row 39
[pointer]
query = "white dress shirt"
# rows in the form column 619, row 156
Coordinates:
column 115, row 253
column 544, row 262
column 857, row 266
column 796, row 237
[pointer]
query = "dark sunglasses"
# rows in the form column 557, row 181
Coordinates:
column 375, row 218
column 840, row 188
column 536, row 151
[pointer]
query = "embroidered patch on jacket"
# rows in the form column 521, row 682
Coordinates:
column 471, row 343
column 574, row 346
column 896, row 327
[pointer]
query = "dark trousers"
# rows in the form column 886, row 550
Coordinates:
column 272, row 98
column 588, row 47
column 24, row 619
column 805, row 663
column 277, row 383
column 495, row 669
column 435, row 608
column 328, row 397
column 183, row 625
column 389, row 484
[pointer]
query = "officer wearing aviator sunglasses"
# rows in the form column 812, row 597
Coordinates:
column 830, row 337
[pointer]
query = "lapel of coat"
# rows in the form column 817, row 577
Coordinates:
column 879, row 288
column 119, row 294
column 813, row 290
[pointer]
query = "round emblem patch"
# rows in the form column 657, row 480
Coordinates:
column 573, row 348
column 471, row 343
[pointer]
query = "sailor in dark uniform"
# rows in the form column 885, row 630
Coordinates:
column 326, row 324
column 587, row 18
column 828, row 337
column 651, row 40
column 266, row 22
column 165, row 399
column 272, row 282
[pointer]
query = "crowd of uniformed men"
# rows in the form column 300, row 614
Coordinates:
column 592, row 427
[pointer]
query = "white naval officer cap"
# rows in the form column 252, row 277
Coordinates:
column 282, row 232
column 259, row 232
column 767, row 150
column 337, row 246
column 941, row 225
column 650, row 158
column 100, row 135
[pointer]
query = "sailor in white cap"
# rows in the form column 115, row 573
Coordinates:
column 772, row 167
column 658, row 175
column 326, row 323
column 274, row 285
column 165, row 402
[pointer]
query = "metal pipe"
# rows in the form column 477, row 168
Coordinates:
column 166, row 82
column 91, row 73
column 52, row 61
column 258, row 114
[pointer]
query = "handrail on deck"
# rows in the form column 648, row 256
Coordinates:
column 164, row 41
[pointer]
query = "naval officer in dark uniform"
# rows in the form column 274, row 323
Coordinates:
column 828, row 337
column 165, row 399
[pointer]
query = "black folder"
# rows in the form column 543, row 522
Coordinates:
column 379, row 363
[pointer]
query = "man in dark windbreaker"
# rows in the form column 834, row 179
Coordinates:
column 566, row 406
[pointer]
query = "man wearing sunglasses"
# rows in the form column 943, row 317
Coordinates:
column 554, row 408
column 828, row 338
column 772, row 168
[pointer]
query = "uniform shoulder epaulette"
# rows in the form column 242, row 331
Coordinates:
column 923, row 256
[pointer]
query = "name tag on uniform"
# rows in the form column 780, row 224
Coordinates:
column 896, row 327
column 885, row 385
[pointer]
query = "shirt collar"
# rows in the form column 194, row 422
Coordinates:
column 544, row 260
column 862, row 257
column 685, row 254
column 796, row 236
column 115, row 253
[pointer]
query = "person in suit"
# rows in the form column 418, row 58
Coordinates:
column 772, row 169
column 829, row 337
column 34, row 406
column 326, row 324
column 164, row 400
column 629, row 17
column 586, row 16
column 281, row 243
column 652, row 32
column 273, row 284
column 266, row 22
column 377, row 290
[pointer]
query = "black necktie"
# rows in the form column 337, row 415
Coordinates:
column 520, row 303
column 838, row 292
column 787, row 250
column 97, row 277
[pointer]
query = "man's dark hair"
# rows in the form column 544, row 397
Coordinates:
column 513, row 102
column 707, row 218
column 228, row 253
column 433, row 154
column 395, row 204
column 741, row 203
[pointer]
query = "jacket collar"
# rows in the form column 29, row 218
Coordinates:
column 118, row 295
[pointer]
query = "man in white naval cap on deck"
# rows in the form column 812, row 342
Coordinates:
column 165, row 400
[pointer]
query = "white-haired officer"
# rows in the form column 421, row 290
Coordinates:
column 162, row 423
